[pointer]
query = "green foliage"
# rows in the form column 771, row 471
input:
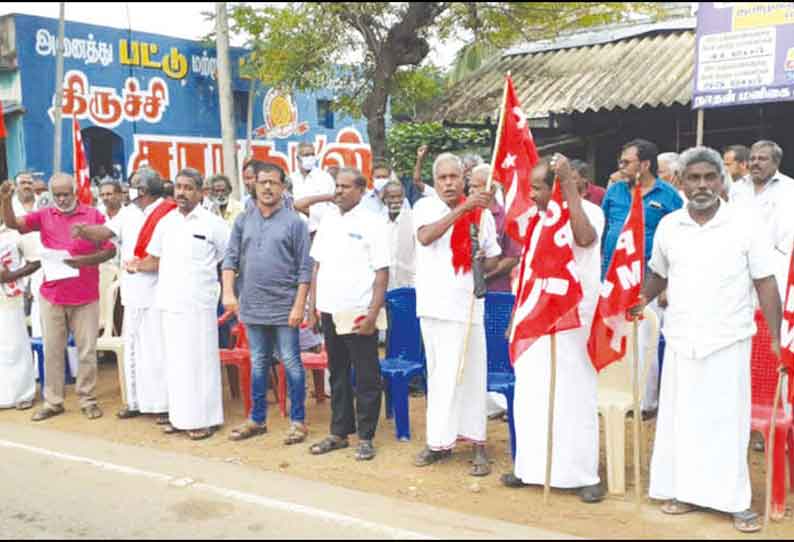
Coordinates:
column 414, row 91
column 403, row 139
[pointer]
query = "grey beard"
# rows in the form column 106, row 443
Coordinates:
column 704, row 206
column 68, row 209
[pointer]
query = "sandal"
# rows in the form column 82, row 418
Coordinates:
column 125, row 413
column 480, row 465
column 247, row 430
column 48, row 411
column 428, row 457
column 591, row 494
column 92, row 412
column 24, row 405
column 747, row 521
column 366, row 451
column 511, row 480
column 676, row 508
column 200, row 434
column 297, row 433
column 162, row 419
column 170, row 429
column 328, row 444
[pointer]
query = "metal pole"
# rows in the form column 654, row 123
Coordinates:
column 230, row 168
column 57, row 124
column 699, row 136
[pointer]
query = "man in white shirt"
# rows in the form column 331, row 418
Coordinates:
column 144, row 360
column 373, row 198
column 351, row 272
column 449, row 314
column 25, row 200
column 186, row 247
column 575, row 433
column 312, row 188
column 402, row 242
column 710, row 256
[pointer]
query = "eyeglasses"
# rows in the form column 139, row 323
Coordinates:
column 266, row 182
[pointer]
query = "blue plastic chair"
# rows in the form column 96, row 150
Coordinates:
column 501, row 378
column 37, row 345
column 405, row 356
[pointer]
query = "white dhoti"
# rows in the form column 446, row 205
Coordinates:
column 193, row 369
column 703, row 430
column 144, row 361
column 17, row 377
column 454, row 411
column 575, row 433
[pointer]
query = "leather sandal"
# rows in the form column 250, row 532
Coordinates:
column 746, row 521
column 428, row 457
column 675, row 507
column 24, row 405
column 247, row 430
column 92, row 412
column 297, row 433
column 200, row 434
column 48, row 411
column 328, row 444
column 125, row 414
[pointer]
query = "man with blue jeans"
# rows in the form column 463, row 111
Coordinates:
column 269, row 249
column 638, row 164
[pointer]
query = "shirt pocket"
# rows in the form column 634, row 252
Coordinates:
column 200, row 247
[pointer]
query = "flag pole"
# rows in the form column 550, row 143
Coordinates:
column 462, row 362
column 550, row 427
column 637, row 415
column 770, row 451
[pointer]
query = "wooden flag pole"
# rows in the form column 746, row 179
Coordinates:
column 550, row 428
column 462, row 362
column 770, row 451
column 637, row 415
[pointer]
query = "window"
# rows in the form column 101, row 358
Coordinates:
column 240, row 108
column 325, row 115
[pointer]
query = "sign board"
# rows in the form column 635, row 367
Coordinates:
column 744, row 53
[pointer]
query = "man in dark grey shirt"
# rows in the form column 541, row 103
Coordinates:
column 269, row 248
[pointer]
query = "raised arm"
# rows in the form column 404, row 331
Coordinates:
column 9, row 219
column 302, row 205
column 584, row 234
column 421, row 153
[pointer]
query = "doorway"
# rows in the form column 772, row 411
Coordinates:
column 105, row 153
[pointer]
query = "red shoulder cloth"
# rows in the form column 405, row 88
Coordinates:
column 460, row 242
column 148, row 227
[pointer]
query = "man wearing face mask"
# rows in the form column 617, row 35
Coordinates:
column 312, row 188
column 67, row 304
column 221, row 194
column 373, row 199
column 144, row 362
column 639, row 163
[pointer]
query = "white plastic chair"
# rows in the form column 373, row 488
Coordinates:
column 616, row 400
column 109, row 342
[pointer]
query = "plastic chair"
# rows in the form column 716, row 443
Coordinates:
column 240, row 357
column 501, row 378
column 764, row 375
column 108, row 341
column 405, row 356
column 315, row 362
column 616, row 400
column 37, row 345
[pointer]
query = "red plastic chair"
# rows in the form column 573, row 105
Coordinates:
column 317, row 363
column 764, row 382
column 239, row 357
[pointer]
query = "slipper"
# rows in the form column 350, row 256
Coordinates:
column 125, row 414
column 328, row 444
column 366, row 451
column 428, row 457
column 48, row 411
column 511, row 480
column 24, row 405
column 200, row 434
column 162, row 419
column 92, row 412
column 591, row 494
column 169, row 429
column 247, row 430
column 676, row 508
column 746, row 522
column 297, row 433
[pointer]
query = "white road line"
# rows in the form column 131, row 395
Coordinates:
column 250, row 498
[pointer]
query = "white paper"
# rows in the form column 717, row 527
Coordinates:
column 54, row 267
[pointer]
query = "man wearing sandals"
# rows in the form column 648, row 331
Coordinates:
column 144, row 363
column 68, row 304
column 351, row 272
column 185, row 249
column 269, row 247
column 444, row 290
column 710, row 257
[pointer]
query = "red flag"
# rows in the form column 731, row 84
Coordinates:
column 3, row 132
column 460, row 241
column 787, row 330
column 514, row 158
column 81, row 177
column 549, row 290
column 620, row 290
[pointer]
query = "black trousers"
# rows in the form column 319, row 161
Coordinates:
column 361, row 353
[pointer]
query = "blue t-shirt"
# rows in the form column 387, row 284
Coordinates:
column 660, row 201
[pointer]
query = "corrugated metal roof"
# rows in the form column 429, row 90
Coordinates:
column 650, row 70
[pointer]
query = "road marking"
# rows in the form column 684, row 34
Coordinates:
column 250, row 498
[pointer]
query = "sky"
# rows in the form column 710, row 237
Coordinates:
column 159, row 17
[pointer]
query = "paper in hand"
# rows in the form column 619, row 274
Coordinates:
column 52, row 262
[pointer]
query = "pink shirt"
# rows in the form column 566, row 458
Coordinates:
column 55, row 228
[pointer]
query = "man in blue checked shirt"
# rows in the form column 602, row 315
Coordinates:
column 638, row 163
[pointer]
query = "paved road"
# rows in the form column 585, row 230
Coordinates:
column 58, row 485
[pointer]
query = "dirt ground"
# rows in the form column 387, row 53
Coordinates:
column 392, row 473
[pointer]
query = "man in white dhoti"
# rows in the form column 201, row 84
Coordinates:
column 17, row 377
column 144, row 362
column 444, row 295
column 574, row 462
column 186, row 247
column 710, row 256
